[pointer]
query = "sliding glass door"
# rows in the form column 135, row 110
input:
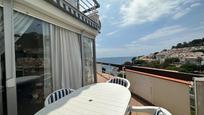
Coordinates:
column 2, row 67
column 33, row 63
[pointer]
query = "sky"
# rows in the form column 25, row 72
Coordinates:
column 141, row 27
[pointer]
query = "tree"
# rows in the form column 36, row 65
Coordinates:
column 171, row 60
column 195, row 42
column 172, row 67
column 154, row 64
column 189, row 68
column 139, row 62
column 127, row 63
column 179, row 45
column 185, row 44
column 133, row 59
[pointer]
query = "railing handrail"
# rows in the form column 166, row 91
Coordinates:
column 155, row 71
column 76, row 13
column 104, row 63
column 90, row 6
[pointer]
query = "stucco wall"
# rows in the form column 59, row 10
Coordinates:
column 99, row 68
column 171, row 95
column 47, row 12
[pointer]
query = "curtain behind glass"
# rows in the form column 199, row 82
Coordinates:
column 66, row 59
column 22, row 22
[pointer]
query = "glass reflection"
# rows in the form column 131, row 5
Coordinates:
column 2, row 66
column 33, row 71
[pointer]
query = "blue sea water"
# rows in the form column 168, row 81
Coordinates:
column 114, row 60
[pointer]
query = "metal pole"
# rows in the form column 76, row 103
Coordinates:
column 123, row 70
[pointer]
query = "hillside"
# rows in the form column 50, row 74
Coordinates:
column 193, row 43
column 184, row 57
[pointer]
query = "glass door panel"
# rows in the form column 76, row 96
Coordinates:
column 2, row 67
column 33, row 70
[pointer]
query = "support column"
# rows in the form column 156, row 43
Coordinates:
column 10, row 57
column 82, row 55
column 94, row 60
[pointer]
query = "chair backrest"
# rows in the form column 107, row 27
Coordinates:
column 56, row 95
column 161, row 111
column 153, row 110
column 121, row 81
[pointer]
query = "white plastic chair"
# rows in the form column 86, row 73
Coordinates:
column 121, row 81
column 56, row 95
column 149, row 109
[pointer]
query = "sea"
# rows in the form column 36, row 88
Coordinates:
column 114, row 60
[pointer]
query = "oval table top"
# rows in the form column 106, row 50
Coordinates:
column 95, row 99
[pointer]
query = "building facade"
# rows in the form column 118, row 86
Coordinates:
column 45, row 45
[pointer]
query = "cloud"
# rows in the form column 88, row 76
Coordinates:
column 163, row 33
column 118, row 52
column 195, row 5
column 185, row 11
column 103, row 17
column 181, row 13
column 159, row 39
column 98, row 45
column 141, row 11
column 107, row 6
column 164, row 38
column 138, row 47
column 111, row 33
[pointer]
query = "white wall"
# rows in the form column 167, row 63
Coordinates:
column 99, row 68
column 47, row 12
column 173, row 96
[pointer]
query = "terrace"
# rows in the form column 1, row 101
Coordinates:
column 172, row 90
column 29, row 73
column 135, row 100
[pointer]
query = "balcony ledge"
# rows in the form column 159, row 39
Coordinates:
column 70, row 10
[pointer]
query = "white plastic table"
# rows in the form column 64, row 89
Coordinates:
column 96, row 99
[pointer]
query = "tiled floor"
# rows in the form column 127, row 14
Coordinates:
column 103, row 77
